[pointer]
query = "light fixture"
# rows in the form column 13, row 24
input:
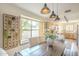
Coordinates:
column 45, row 9
column 53, row 15
column 57, row 18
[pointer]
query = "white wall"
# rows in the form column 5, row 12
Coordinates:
column 13, row 10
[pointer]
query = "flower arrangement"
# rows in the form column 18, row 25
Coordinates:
column 50, row 34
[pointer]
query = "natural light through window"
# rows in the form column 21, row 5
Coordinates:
column 29, row 29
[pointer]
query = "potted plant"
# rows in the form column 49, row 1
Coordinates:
column 50, row 36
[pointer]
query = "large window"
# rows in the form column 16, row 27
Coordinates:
column 71, row 28
column 30, row 28
column 35, row 29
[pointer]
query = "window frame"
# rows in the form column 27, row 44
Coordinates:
column 30, row 28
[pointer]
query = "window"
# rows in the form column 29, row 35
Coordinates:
column 26, row 30
column 60, row 29
column 35, row 29
column 70, row 28
column 30, row 28
column 26, row 24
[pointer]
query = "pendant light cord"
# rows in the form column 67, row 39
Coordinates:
column 53, row 7
column 57, row 8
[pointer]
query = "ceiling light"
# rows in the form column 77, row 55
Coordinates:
column 45, row 9
column 53, row 15
column 57, row 18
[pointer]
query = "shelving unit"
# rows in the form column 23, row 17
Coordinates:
column 11, row 31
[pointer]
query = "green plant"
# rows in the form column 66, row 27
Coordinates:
column 50, row 34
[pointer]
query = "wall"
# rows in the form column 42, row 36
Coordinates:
column 13, row 10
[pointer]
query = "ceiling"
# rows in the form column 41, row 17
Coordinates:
column 36, row 7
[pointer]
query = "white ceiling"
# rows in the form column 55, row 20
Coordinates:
column 36, row 7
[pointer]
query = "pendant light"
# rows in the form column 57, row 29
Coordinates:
column 53, row 15
column 57, row 17
column 45, row 9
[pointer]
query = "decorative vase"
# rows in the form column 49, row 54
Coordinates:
column 50, row 42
